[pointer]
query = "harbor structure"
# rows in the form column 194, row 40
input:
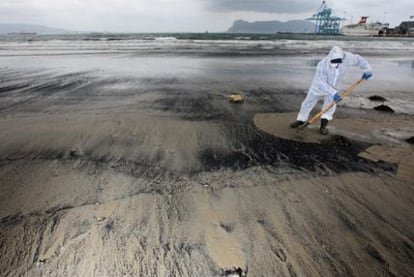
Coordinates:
column 326, row 23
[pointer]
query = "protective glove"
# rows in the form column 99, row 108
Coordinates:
column 367, row 75
column 337, row 98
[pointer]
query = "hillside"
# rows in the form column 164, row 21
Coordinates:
column 275, row 26
column 29, row 28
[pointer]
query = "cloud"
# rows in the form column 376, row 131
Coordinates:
column 376, row 10
column 185, row 15
column 262, row 6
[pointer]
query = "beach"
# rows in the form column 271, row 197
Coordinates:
column 125, row 157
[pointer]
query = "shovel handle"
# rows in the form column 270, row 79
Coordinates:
column 333, row 103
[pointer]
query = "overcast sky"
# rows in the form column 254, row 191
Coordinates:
column 186, row 15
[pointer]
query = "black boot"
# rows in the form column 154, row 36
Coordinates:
column 296, row 124
column 323, row 129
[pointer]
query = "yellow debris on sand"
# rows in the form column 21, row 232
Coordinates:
column 236, row 98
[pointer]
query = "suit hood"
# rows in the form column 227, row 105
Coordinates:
column 335, row 53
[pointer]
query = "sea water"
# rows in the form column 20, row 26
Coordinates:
column 229, row 61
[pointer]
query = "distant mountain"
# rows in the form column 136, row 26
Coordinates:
column 275, row 26
column 29, row 28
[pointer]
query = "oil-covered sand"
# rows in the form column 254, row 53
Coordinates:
column 104, row 176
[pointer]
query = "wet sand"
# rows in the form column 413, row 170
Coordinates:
column 165, row 177
column 387, row 136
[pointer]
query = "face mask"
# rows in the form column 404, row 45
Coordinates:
column 334, row 65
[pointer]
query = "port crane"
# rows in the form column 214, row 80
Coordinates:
column 326, row 23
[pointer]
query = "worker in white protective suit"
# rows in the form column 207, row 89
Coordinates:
column 329, row 73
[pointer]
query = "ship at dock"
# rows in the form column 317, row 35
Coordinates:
column 363, row 28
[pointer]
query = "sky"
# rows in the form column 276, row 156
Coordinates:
column 187, row 15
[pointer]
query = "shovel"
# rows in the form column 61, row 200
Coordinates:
column 333, row 103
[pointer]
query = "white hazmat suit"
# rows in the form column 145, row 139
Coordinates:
column 327, row 78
